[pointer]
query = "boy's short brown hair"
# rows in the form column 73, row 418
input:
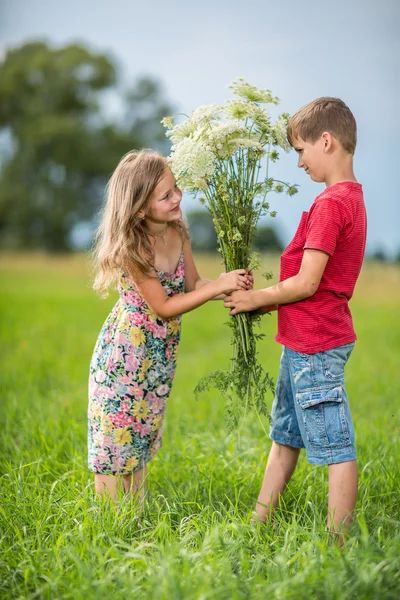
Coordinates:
column 324, row 114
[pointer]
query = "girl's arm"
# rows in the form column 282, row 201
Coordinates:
column 303, row 285
column 167, row 307
column 193, row 280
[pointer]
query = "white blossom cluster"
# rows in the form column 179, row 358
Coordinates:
column 193, row 164
column 279, row 131
column 245, row 90
column 214, row 134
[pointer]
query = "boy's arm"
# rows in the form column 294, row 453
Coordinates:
column 301, row 286
column 267, row 309
column 327, row 217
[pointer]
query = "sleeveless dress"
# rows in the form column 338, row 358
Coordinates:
column 131, row 375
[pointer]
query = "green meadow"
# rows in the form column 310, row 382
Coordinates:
column 193, row 540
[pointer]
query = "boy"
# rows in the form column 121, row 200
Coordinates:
column 319, row 270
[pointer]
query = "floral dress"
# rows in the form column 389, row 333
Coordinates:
column 131, row 375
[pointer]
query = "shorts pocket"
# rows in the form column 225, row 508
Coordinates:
column 302, row 369
column 334, row 361
column 323, row 412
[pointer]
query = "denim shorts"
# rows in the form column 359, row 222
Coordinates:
column 311, row 409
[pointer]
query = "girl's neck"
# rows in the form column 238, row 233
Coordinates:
column 156, row 228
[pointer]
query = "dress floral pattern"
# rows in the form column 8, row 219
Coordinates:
column 131, row 375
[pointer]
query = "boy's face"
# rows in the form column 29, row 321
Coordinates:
column 312, row 157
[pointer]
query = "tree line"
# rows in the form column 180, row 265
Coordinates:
column 59, row 143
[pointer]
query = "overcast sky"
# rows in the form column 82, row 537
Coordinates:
column 300, row 50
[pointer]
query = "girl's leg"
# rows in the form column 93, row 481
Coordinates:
column 343, row 487
column 107, row 485
column 136, row 484
column 281, row 463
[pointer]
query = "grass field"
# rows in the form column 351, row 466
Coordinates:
column 193, row 540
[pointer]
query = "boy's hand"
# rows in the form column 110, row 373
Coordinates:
column 241, row 301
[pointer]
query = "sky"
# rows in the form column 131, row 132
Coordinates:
column 300, row 50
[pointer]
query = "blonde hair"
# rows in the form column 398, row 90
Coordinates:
column 324, row 114
column 121, row 241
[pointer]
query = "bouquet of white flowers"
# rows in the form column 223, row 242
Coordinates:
column 224, row 153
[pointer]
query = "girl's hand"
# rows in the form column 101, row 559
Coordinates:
column 248, row 279
column 241, row 301
column 230, row 282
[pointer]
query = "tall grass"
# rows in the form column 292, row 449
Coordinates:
column 193, row 539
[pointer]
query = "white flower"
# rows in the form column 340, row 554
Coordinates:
column 250, row 92
column 192, row 163
column 226, row 137
column 168, row 122
column 223, row 131
column 244, row 110
column 206, row 113
column 244, row 143
column 262, row 119
column 222, row 137
column 279, row 131
column 182, row 131
column 238, row 109
column 247, row 143
column 236, row 236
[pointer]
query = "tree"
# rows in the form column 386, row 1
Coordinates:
column 267, row 239
column 202, row 232
column 204, row 238
column 379, row 255
column 61, row 148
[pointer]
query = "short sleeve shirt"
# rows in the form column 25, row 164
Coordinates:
column 336, row 224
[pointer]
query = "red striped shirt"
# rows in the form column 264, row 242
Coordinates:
column 337, row 225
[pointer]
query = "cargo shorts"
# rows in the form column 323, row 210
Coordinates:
column 311, row 409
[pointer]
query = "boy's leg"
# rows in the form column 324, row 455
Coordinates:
column 343, row 487
column 287, row 441
column 281, row 463
column 325, row 420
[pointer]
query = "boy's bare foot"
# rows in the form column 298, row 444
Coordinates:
column 254, row 520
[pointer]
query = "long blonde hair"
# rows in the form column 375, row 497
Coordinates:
column 121, row 241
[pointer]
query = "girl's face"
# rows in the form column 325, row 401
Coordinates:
column 165, row 200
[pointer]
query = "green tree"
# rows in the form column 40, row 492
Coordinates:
column 379, row 255
column 267, row 239
column 204, row 238
column 60, row 148
column 202, row 232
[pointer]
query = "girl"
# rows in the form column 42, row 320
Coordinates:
column 143, row 245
